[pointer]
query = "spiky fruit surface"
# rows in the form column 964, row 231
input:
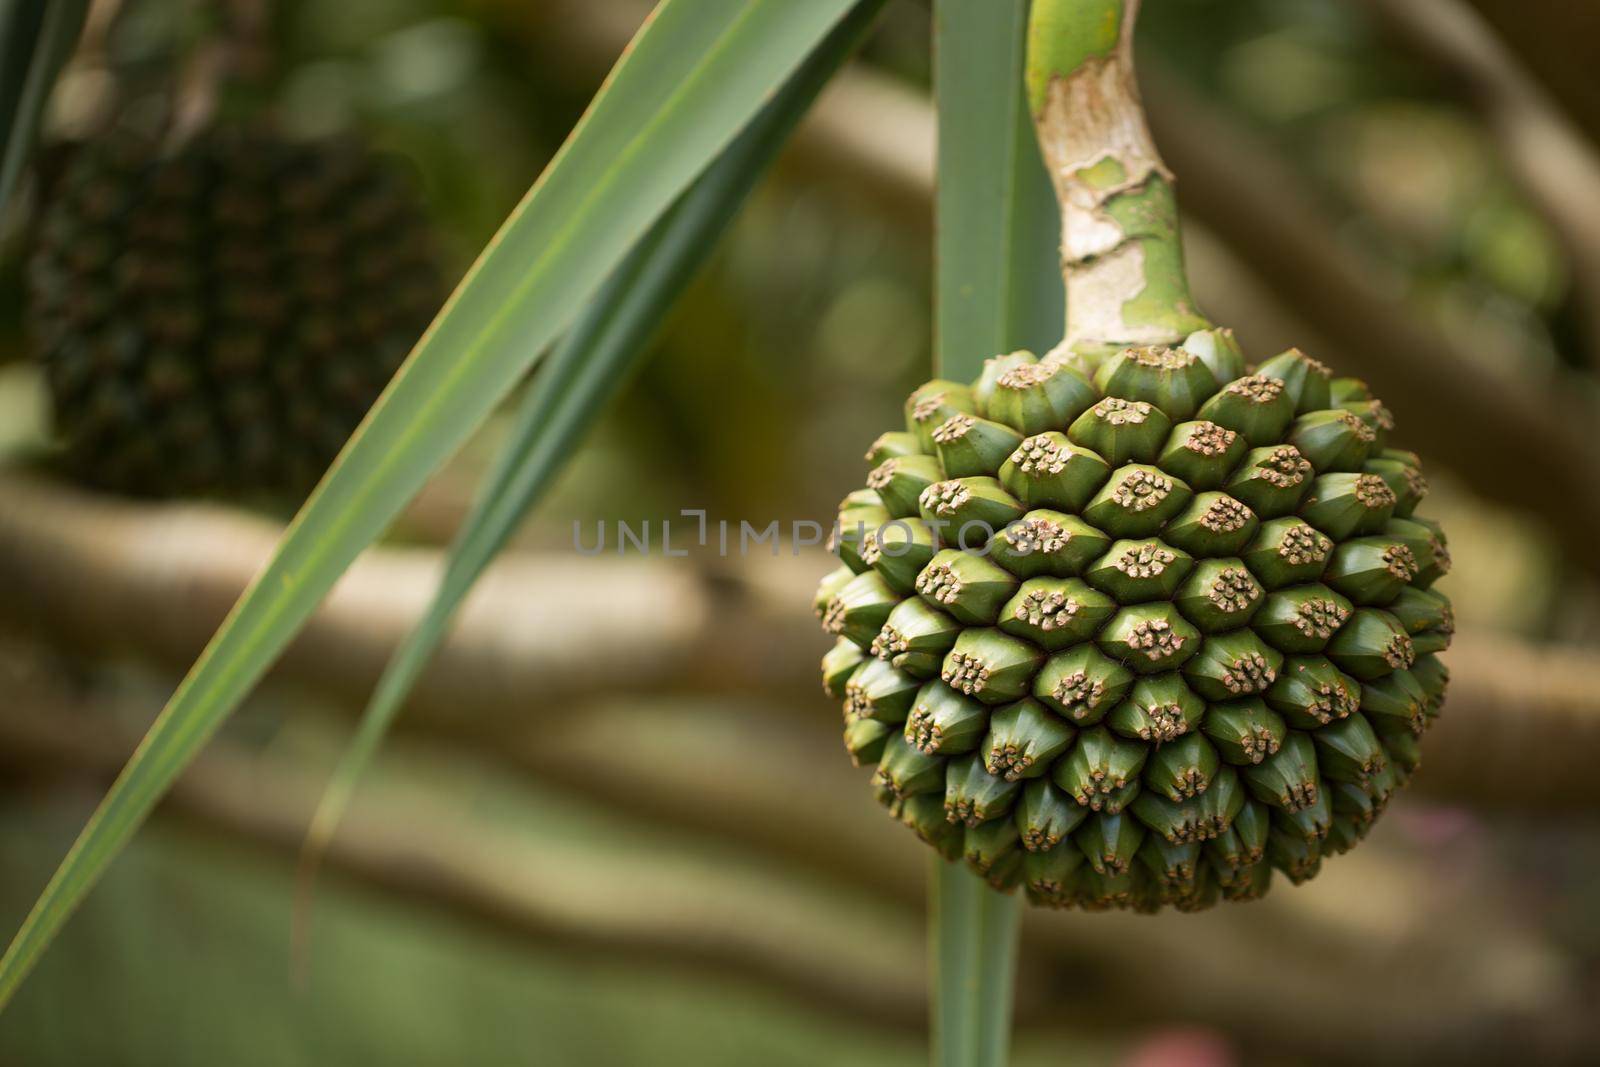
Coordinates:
column 1138, row 633
column 219, row 317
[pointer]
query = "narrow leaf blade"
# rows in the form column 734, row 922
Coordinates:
column 998, row 284
column 997, row 289
column 36, row 36
column 579, row 379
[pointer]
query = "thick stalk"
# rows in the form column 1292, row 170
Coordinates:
column 973, row 932
column 1121, row 259
column 1122, row 267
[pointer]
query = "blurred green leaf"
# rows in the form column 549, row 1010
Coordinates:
column 580, row 378
column 36, row 36
column 696, row 73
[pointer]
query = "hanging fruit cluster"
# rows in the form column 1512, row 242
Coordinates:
column 218, row 318
column 1140, row 633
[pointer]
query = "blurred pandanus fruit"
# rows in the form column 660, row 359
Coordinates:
column 220, row 316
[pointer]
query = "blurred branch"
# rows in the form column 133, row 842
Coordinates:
column 1520, row 728
column 1546, row 152
column 530, row 865
column 1510, row 436
column 542, row 632
column 840, row 949
column 1559, row 43
column 104, row 573
column 864, row 125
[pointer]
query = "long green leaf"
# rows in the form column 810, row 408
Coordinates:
column 997, row 289
column 997, row 223
column 578, row 380
column 36, row 36
column 694, row 76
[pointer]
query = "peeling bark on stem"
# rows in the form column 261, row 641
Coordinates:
column 1121, row 260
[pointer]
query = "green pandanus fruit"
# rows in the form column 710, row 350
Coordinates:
column 1135, row 623
column 218, row 317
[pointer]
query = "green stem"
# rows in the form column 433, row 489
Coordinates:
column 973, row 936
column 1121, row 256
column 996, row 236
column 1122, row 265
column 996, row 293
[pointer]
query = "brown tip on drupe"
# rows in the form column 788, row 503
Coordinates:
column 1039, row 454
column 1416, row 484
column 1142, row 490
column 922, row 732
column 1235, row 589
column 1047, row 610
column 1285, row 468
column 1146, row 561
column 939, row 582
column 966, row 672
column 1156, row 639
column 1257, row 388
column 1225, row 515
column 962, row 811
column 1036, row 535
column 1166, row 723
column 857, row 704
column 1160, row 356
column 943, row 498
column 889, row 643
column 1259, row 743
column 1297, row 796
column 1250, row 673
column 1009, row 762
column 1400, row 562
column 1037, row 840
column 1209, row 439
column 1027, row 375
column 1078, row 694
column 954, row 428
column 1373, row 492
column 1358, row 429
column 1303, row 545
column 1320, row 618
column 927, row 407
column 1120, row 412
column 1399, row 653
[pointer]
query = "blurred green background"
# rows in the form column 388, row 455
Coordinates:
column 616, row 825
